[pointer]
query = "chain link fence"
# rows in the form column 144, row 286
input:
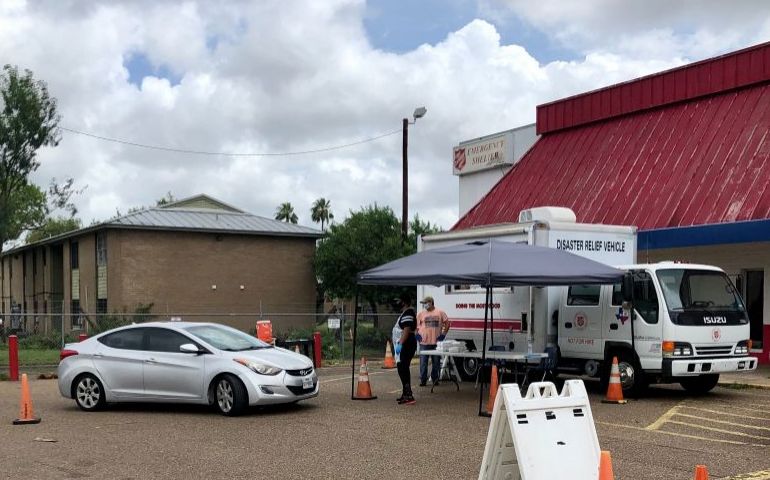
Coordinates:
column 53, row 330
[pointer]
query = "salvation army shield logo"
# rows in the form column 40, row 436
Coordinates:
column 459, row 162
column 581, row 321
column 716, row 334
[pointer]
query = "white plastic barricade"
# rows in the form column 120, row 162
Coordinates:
column 542, row 436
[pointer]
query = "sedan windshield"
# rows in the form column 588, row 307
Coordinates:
column 701, row 297
column 226, row 338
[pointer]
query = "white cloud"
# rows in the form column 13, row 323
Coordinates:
column 279, row 76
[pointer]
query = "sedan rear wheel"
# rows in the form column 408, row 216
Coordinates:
column 231, row 397
column 89, row 393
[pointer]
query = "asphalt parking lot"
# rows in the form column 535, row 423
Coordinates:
column 660, row 437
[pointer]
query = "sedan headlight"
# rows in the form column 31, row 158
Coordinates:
column 259, row 368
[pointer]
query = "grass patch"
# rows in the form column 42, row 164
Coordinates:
column 742, row 386
column 32, row 356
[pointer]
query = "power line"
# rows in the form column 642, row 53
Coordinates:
column 226, row 154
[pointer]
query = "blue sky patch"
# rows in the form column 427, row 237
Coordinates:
column 139, row 66
column 402, row 25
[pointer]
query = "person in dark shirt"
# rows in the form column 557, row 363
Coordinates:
column 406, row 348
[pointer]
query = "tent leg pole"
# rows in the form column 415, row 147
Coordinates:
column 482, row 413
column 355, row 335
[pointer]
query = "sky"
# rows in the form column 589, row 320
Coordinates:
column 233, row 92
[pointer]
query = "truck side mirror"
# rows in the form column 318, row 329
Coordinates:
column 627, row 287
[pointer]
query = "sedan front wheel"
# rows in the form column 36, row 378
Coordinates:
column 230, row 396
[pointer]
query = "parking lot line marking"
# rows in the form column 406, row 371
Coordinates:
column 761, row 475
column 676, row 434
column 723, row 422
column 756, row 410
column 663, row 418
column 714, row 429
column 725, row 413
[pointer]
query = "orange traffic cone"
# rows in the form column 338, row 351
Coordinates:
column 701, row 472
column 26, row 415
column 364, row 389
column 389, row 362
column 614, row 389
column 605, row 466
column 492, row 389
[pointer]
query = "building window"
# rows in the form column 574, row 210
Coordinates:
column 77, row 320
column 74, row 255
column 34, row 263
column 101, row 305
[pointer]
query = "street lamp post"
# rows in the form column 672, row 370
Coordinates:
column 418, row 113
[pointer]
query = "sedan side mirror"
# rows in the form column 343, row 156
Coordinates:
column 189, row 348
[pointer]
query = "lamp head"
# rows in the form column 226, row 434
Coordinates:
column 419, row 112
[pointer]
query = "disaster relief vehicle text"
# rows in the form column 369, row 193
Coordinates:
column 689, row 323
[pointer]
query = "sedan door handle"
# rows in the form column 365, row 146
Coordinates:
column 150, row 360
column 98, row 355
column 613, row 326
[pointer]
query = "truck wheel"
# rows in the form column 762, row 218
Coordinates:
column 699, row 385
column 632, row 377
column 468, row 368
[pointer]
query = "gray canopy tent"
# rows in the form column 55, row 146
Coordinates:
column 489, row 263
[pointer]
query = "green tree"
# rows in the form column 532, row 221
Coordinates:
column 28, row 122
column 165, row 200
column 285, row 213
column 321, row 212
column 366, row 239
column 52, row 227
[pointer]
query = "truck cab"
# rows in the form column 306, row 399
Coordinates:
column 682, row 323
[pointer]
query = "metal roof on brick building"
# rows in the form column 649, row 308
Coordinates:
column 200, row 213
column 207, row 219
column 689, row 146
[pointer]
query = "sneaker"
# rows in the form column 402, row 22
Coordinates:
column 400, row 400
column 408, row 401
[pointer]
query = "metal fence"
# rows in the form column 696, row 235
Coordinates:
column 336, row 328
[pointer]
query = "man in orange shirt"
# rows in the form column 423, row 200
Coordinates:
column 432, row 327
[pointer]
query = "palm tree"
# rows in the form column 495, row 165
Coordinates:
column 285, row 213
column 321, row 211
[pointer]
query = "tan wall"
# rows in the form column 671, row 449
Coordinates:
column 733, row 259
column 176, row 271
column 87, row 263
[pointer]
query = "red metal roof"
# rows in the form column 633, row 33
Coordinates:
column 696, row 158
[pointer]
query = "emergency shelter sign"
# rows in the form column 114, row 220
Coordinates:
column 483, row 154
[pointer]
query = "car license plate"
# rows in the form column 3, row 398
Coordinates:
column 307, row 382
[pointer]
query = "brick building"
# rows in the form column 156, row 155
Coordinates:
column 197, row 258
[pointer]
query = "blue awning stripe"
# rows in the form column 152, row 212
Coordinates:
column 702, row 235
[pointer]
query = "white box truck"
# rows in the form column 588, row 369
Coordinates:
column 689, row 323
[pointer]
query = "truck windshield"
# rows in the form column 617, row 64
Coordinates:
column 701, row 297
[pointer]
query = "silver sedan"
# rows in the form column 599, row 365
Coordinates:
column 180, row 362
